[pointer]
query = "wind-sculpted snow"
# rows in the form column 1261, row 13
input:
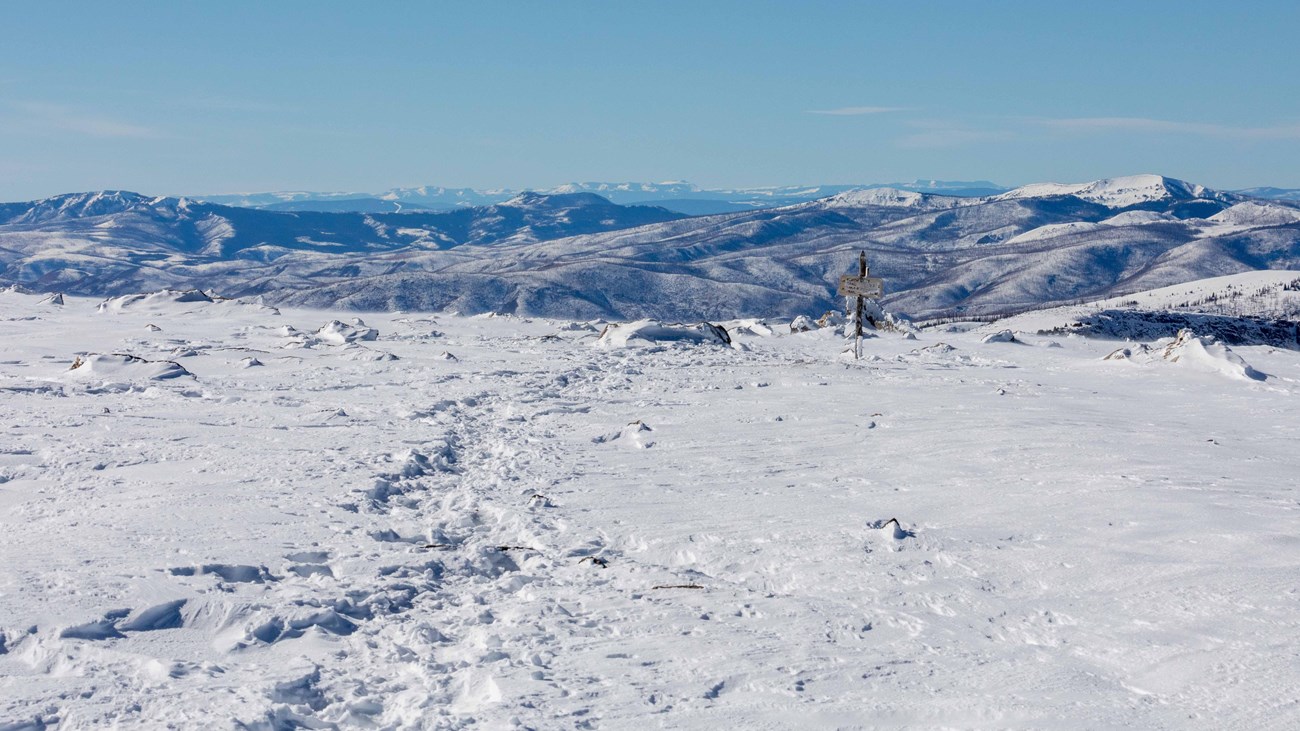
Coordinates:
column 538, row 533
column 576, row 255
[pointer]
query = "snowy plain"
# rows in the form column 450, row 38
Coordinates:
column 445, row 522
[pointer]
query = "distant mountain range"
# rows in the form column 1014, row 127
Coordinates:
column 676, row 196
column 579, row 255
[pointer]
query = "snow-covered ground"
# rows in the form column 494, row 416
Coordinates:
column 505, row 526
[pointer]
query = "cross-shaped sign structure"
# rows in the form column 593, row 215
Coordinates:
column 861, row 287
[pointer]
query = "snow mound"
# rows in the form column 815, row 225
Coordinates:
column 1203, row 353
column 1001, row 336
column 170, row 300
column 633, row 435
column 363, row 354
column 652, row 331
column 153, row 301
column 54, row 299
column 335, row 332
column 578, row 327
column 749, row 326
column 125, row 367
column 1208, row 354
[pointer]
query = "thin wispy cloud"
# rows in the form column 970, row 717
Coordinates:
column 1146, row 124
column 940, row 133
column 69, row 119
column 859, row 111
column 231, row 104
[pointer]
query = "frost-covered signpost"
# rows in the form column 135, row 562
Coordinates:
column 860, row 287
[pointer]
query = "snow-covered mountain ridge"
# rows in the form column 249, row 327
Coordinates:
column 578, row 255
column 675, row 195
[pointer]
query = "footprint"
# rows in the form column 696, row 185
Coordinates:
column 233, row 573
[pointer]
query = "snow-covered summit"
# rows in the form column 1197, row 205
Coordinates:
column 71, row 206
column 530, row 199
column 1121, row 192
column 667, row 188
column 875, row 197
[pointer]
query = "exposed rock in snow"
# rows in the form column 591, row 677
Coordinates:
column 803, row 324
column 831, row 318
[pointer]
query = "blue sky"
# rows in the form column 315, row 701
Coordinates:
column 187, row 98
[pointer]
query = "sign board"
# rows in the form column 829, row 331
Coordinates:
column 851, row 286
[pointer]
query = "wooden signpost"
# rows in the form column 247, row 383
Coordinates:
column 861, row 287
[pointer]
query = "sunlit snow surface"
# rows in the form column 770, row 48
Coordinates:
column 479, row 533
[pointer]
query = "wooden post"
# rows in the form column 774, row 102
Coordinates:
column 857, row 333
column 860, row 287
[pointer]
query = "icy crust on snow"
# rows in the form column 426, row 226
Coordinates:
column 536, row 533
